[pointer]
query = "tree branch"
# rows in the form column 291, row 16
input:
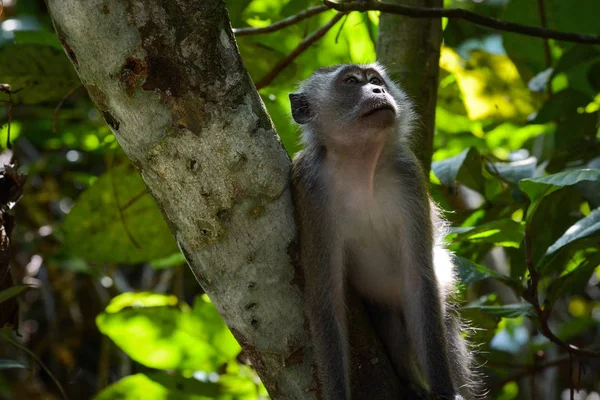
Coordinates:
column 458, row 13
column 294, row 19
column 304, row 44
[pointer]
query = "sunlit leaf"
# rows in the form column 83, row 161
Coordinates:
column 140, row 299
column 503, row 232
column 584, row 227
column 490, row 85
column 162, row 386
column 170, row 337
column 116, row 220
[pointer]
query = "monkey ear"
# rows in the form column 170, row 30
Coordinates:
column 301, row 111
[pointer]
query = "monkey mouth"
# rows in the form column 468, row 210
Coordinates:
column 378, row 107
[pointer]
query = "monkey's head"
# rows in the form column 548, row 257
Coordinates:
column 350, row 103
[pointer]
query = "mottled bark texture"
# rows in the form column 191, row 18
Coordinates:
column 410, row 50
column 169, row 81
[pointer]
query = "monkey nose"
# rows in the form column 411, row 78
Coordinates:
column 378, row 90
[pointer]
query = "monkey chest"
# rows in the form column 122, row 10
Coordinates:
column 373, row 237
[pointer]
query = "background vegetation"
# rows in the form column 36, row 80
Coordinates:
column 113, row 312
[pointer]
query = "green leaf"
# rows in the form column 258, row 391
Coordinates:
column 537, row 187
column 528, row 52
column 506, row 311
column 502, row 232
column 12, row 292
column 560, row 105
column 43, row 72
column 140, row 299
column 576, row 55
column 470, row 272
column 582, row 228
column 464, row 168
column 169, row 337
column 6, row 364
column 116, row 220
column 574, row 281
column 513, row 172
column 45, row 38
column 160, row 385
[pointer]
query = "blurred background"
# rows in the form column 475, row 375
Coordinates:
column 113, row 312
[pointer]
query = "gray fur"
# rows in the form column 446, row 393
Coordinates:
column 366, row 219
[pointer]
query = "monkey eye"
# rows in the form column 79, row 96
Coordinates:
column 375, row 80
column 351, row 79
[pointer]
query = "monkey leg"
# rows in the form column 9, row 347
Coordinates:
column 391, row 330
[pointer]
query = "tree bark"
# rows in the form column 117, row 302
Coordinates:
column 169, row 81
column 410, row 50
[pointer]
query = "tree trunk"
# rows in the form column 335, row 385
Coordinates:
column 410, row 50
column 168, row 79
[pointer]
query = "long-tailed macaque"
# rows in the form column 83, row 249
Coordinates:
column 366, row 219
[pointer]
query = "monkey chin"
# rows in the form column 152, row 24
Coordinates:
column 380, row 118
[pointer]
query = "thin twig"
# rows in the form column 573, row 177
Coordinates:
column 135, row 198
column 459, row 13
column 304, row 44
column 121, row 212
column 37, row 359
column 548, row 55
column 294, row 19
column 339, row 32
column 59, row 106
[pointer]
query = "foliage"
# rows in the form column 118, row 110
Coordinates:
column 114, row 313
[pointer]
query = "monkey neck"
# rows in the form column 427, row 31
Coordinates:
column 353, row 168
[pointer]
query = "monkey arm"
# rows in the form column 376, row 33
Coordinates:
column 421, row 293
column 322, row 261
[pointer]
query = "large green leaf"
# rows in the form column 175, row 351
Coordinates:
column 584, row 227
column 513, row 172
column 469, row 272
column 116, row 220
column 573, row 281
column 163, row 386
column 170, row 337
column 528, row 52
column 464, row 168
column 42, row 72
column 560, row 105
column 537, row 187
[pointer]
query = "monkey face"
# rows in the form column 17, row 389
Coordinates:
column 360, row 94
column 350, row 104
column 346, row 95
